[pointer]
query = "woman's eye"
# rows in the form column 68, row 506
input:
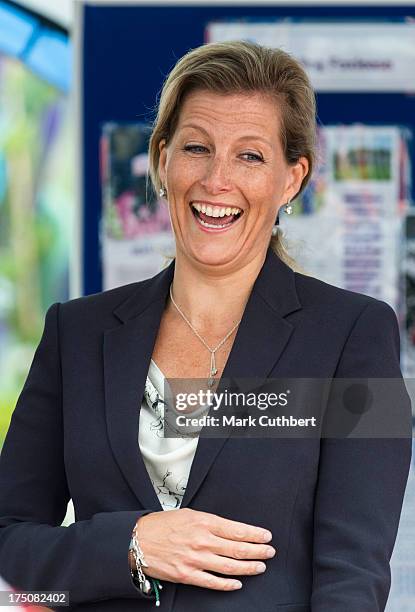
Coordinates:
column 193, row 147
column 255, row 156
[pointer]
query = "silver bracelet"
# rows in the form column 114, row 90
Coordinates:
column 138, row 575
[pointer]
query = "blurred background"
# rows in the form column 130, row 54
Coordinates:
column 78, row 90
column 36, row 184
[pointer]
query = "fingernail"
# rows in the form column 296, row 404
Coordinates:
column 267, row 536
column 237, row 585
column 261, row 567
column 271, row 552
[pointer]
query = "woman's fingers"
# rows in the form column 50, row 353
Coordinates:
column 209, row 581
column 240, row 550
column 234, row 530
column 232, row 567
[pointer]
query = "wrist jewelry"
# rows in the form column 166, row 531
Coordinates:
column 138, row 576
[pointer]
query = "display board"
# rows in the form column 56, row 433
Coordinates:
column 127, row 50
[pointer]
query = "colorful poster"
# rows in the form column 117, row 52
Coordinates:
column 135, row 233
column 350, row 219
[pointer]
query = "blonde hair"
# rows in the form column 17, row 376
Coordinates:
column 242, row 67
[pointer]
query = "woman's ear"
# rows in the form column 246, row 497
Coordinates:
column 296, row 174
column 162, row 160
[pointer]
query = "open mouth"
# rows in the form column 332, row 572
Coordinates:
column 216, row 217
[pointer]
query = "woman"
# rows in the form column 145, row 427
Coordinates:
column 253, row 524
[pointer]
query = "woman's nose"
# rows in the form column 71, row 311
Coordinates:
column 217, row 176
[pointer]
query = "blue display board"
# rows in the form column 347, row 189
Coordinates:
column 127, row 52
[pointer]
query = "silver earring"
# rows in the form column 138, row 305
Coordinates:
column 162, row 192
column 288, row 208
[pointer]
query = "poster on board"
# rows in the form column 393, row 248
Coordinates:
column 348, row 224
column 135, row 232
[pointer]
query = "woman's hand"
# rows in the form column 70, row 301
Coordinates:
column 184, row 545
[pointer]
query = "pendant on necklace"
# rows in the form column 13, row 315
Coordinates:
column 213, row 369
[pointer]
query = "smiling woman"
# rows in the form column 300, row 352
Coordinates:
column 229, row 147
column 292, row 524
column 266, row 112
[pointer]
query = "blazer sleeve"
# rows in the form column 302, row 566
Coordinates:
column 36, row 552
column 361, row 484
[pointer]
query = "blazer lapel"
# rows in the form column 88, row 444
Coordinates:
column 127, row 354
column 260, row 340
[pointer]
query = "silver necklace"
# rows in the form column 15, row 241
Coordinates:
column 213, row 369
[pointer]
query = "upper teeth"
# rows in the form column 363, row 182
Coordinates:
column 216, row 211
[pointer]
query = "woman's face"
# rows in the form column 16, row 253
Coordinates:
column 226, row 176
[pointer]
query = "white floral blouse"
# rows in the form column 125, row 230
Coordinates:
column 168, row 460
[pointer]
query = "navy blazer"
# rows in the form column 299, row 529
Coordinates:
column 333, row 505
